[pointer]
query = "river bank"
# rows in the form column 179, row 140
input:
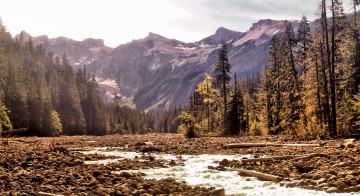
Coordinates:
column 32, row 165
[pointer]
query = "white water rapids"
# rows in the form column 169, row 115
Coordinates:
column 195, row 172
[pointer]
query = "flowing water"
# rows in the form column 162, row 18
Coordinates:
column 195, row 172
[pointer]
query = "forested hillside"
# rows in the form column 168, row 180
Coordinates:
column 41, row 94
column 309, row 90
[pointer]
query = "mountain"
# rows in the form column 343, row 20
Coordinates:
column 156, row 73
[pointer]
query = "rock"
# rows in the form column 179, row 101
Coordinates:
column 301, row 183
column 5, row 178
column 328, row 176
column 166, row 191
column 350, row 146
column 333, row 158
column 332, row 179
column 304, row 175
column 333, row 172
column 332, row 190
column 126, row 175
column 218, row 192
column 172, row 163
column 142, row 191
column 125, row 190
column 77, row 162
column 350, row 189
column 303, row 168
column 90, row 184
column 96, row 173
column 100, row 192
column 157, row 191
column 118, row 193
column 149, row 144
column 224, row 162
column 340, row 185
column 136, row 193
column 151, row 158
column 316, row 177
column 290, row 184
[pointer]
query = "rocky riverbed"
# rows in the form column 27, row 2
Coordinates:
column 30, row 166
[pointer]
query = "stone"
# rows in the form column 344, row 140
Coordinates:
column 290, row 184
column 149, row 144
column 340, row 185
column 301, row 183
column 96, row 173
column 136, row 193
column 328, row 176
column 332, row 190
column 126, row 175
column 224, row 162
column 172, row 163
column 218, row 192
column 350, row 146
column 5, row 178
column 118, row 193
column 77, row 162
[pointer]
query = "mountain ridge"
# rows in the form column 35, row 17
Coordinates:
column 158, row 73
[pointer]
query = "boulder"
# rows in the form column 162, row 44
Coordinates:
column 332, row 190
column 126, row 175
column 218, row 192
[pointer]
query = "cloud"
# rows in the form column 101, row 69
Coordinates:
column 120, row 21
column 240, row 14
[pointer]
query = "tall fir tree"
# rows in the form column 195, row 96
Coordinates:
column 222, row 78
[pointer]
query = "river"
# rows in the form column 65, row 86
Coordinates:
column 195, row 171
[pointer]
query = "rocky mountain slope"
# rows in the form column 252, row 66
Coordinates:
column 156, row 73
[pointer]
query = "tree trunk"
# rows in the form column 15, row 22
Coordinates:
column 326, row 40
column 333, row 131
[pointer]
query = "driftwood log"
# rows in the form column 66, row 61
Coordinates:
column 259, row 175
column 250, row 145
column 271, row 158
column 48, row 194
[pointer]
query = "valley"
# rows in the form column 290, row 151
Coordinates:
column 158, row 73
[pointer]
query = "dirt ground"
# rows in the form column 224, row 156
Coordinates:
column 32, row 166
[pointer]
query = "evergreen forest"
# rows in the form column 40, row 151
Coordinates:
column 309, row 89
column 41, row 94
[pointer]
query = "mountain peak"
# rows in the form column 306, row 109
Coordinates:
column 94, row 42
column 154, row 36
column 24, row 35
column 222, row 34
column 222, row 30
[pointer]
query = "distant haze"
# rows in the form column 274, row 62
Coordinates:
column 121, row 21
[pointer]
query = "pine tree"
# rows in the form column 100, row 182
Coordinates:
column 71, row 114
column 222, row 77
column 236, row 110
column 275, row 75
column 304, row 40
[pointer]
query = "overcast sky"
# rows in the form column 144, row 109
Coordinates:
column 120, row 21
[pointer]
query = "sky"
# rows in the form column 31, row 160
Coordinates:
column 121, row 21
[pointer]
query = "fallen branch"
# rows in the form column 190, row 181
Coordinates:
column 249, row 145
column 271, row 158
column 259, row 175
column 310, row 156
column 47, row 194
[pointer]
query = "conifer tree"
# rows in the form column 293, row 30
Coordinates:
column 304, row 40
column 71, row 114
column 236, row 110
column 222, row 78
